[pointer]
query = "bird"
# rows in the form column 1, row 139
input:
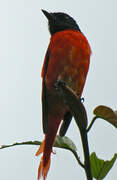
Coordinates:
column 67, row 59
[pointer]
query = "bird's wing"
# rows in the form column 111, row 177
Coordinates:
column 44, row 94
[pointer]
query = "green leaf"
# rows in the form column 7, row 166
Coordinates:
column 65, row 142
column 107, row 114
column 99, row 167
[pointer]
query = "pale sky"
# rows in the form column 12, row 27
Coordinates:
column 24, row 39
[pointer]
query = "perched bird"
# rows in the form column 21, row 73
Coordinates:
column 67, row 59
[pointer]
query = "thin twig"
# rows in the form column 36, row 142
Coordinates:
column 75, row 154
column 91, row 124
column 21, row 143
column 78, row 159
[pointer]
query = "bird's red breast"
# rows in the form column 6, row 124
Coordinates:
column 69, row 59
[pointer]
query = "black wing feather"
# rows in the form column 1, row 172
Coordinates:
column 66, row 122
column 44, row 96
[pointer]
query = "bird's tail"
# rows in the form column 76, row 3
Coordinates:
column 46, row 147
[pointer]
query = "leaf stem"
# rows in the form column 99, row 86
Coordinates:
column 78, row 159
column 91, row 124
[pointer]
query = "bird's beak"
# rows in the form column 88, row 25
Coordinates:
column 47, row 14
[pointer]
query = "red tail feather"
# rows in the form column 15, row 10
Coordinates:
column 46, row 149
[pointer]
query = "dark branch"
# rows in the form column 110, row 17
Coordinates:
column 78, row 111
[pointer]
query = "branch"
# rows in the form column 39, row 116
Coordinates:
column 22, row 143
column 58, row 145
column 91, row 124
column 78, row 111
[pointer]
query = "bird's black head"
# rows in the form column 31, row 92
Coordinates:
column 60, row 22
